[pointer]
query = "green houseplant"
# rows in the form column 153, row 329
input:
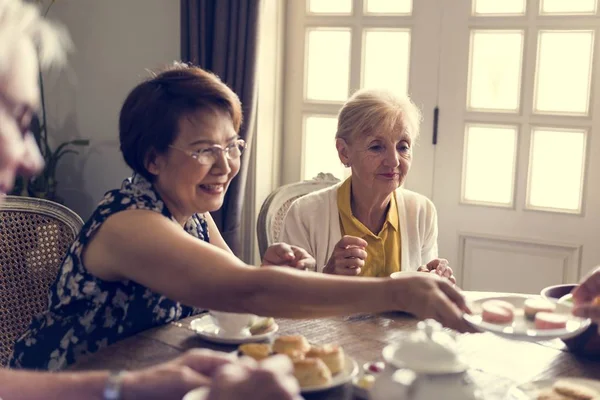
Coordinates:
column 45, row 184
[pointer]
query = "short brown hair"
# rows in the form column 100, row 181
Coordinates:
column 150, row 115
column 368, row 110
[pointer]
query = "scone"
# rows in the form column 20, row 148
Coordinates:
column 332, row 356
column 258, row 351
column 311, row 372
column 294, row 355
column 574, row 391
column 287, row 344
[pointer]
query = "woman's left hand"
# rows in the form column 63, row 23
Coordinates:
column 283, row 254
column 439, row 266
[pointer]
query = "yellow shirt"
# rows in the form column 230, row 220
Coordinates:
column 384, row 252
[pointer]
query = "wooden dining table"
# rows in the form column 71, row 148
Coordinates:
column 495, row 363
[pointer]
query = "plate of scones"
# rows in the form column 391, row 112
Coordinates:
column 521, row 317
column 316, row 367
column 557, row 389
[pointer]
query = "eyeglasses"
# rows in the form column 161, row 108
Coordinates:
column 211, row 154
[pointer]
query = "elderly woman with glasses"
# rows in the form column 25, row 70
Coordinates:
column 151, row 253
column 373, row 226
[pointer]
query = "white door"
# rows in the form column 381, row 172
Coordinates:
column 517, row 168
column 333, row 48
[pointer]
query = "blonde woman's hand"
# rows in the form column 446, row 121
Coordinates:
column 440, row 267
column 430, row 296
column 285, row 255
column 348, row 257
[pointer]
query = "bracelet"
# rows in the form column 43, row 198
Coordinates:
column 112, row 390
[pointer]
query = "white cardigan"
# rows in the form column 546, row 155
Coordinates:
column 313, row 223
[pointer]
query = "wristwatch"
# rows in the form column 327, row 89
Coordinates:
column 112, row 390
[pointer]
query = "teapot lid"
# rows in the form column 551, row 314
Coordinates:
column 429, row 349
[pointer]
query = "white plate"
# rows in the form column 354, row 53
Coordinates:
column 207, row 330
column 521, row 328
column 457, row 367
column 346, row 375
column 530, row 390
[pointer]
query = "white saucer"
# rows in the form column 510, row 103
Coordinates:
column 530, row 390
column 521, row 328
column 207, row 330
column 346, row 375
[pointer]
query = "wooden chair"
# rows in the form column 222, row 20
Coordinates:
column 272, row 212
column 35, row 235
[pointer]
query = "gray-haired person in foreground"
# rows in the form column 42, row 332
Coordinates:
column 26, row 41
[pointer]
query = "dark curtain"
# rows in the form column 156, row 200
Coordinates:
column 222, row 36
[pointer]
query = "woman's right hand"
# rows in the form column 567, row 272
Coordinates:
column 430, row 296
column 348, row 257
column 173, row 379
column 269, row 379
column 227, row 378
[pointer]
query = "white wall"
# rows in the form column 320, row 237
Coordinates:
column 115, row 41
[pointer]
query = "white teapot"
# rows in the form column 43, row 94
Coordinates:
column 424, row 365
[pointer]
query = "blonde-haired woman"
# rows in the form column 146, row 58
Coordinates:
column 373, row 227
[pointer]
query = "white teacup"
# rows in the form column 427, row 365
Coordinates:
column 233, row 324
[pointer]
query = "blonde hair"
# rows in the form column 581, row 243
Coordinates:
column 22, row 20
column 369, row 110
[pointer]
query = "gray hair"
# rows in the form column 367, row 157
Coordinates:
column 18, row 20
column 368, row 110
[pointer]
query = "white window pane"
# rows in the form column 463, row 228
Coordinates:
column 388, row 7
column 564, row 69
column 495, row 70
column 489, row 164
column 328, row 61
column 320, row 154
column 568, row 6
column 498, row 7
column 330, row 6
column 386, row 60
column 556, row 168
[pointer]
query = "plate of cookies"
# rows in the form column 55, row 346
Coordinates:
column 317, row 367
column 521, row 317
column 557, row 389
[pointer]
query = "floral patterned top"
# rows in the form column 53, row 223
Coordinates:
column 86, row 313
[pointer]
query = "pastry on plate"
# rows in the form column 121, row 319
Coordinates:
column 332, row 355
column 258, row 351
column 262, row 325
column 294, row 355
column 312, row 372
column 548, row 320
column 533, row 306
column 497, row 312
column 287, row 344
